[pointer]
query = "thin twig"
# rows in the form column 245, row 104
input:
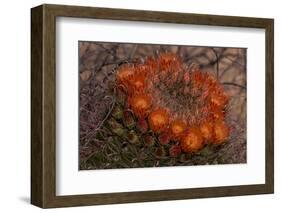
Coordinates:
column 108, row 114
column 217, row 61
column 234, row 84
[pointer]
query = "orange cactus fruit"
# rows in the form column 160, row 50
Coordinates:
column 158, row 120
column 140, row 104
column 124, row 73
column 170, row 67
column 167, row 58
column 218, row 99
column 142, row 69
column 206, row 129
column 137, row 83
column 217, row 113
column 197, row 77
column 151, row 65
column 221, row 132
column 177, row 128
column 192, row 141
column 169, row 61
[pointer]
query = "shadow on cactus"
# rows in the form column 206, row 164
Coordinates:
column 162, row 111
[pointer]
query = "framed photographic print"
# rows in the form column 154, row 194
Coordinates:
column 137, row 106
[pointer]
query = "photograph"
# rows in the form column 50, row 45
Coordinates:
column 159, row 105
column 140, row 105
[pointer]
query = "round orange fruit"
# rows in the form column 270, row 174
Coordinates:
column 192, row 141
column 206, row 129
column 221, row 132
column 124, row 73
column 158, row 120
column 140, row 105
column 177, row 128
column 136, row 84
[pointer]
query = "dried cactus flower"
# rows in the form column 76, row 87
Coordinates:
column 175, row 151
column 128, row 120
column 142, row 125
column 117, row 112
column 149, row 140
column 164, row 138
column 116, row 127
column 133, row 137
column 160, row 152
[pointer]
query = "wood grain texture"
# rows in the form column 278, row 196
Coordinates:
column 43, row 105
column 36, row 106
column 269, row 118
